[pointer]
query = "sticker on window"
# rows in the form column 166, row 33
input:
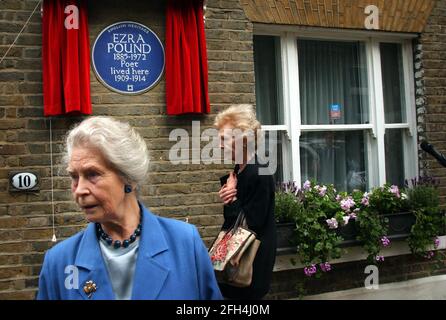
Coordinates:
column 335, row 111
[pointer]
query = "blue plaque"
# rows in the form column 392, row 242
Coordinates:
column 128, row 57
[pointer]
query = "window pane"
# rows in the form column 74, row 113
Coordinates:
column 273, row 143
column 333, row 82
column 393, row 82
column 334, row 158
column 394, row 157
column 267, row 77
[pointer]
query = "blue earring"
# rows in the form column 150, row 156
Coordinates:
column 127, row 188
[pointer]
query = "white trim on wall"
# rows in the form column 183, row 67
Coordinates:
column 411, row 139
column 375, row 71
column 356, row 253
column 330, row 33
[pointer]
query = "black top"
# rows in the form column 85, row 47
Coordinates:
column 255, row 195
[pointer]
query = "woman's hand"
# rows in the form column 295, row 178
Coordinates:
column 228, row 192
column 232, row 181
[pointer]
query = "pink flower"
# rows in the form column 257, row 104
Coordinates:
column 307, row 185
column 309, row 271
column 338, row 198
column 365, row 202
column 436, row 242
column 346, row 204
column 346, row 219
column 365, row 199
column 385, row 241
column 395, row 190
column 325, row 267
column 332, row 223
column 379, row 258
column 429, row 255
column 322, row 191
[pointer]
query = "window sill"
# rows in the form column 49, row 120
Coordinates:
column 350, row 254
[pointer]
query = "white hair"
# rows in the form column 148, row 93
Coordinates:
column 118, row 142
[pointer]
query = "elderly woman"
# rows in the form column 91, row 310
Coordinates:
column 126, row 252
column 250, row 190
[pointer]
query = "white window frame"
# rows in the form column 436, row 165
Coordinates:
column 293, row 127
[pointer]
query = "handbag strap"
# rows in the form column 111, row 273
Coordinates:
column 239, row 222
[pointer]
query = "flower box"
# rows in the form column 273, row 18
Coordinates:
column 400, row 224
column 320, row 212
column 349, row 233
column 285, row 232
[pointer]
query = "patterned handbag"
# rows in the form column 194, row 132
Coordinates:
column 232, row 254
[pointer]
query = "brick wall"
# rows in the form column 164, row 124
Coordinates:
column 179, row 191
column 430, row 64
column 350, row 275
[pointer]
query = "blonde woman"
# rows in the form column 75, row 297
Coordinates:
column 249, row 189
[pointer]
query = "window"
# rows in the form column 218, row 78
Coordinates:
column 342, row 106
column 269, row 100
column 267, row 76
column 394, row 113
column 333, row 91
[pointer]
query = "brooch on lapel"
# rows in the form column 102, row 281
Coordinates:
column 89, row 288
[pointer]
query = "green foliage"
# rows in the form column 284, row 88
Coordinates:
column 320, row 212
column 372, row 228
column 311, row 209
column 386, row 200
column 286, row 206
column 423, row 198
column 429, row 224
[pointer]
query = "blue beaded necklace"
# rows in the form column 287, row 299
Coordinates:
column 116, row 243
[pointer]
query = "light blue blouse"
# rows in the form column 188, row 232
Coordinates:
column 120, row 264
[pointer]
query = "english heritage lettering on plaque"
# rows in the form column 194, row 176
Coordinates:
column 128, row 58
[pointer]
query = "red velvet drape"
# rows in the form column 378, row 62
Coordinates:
column 186, row 58
column 65, row 59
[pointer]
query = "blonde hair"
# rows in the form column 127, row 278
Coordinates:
column 241, row 116
column 118, row 142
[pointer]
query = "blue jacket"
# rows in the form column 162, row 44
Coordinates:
column 172, row 264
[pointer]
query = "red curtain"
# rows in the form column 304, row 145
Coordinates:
column 65, row 59
column 186, row 58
